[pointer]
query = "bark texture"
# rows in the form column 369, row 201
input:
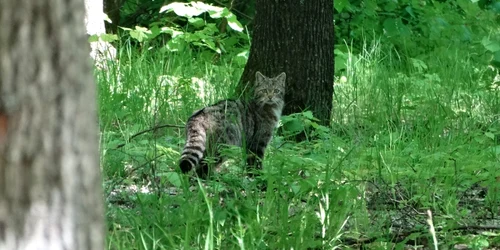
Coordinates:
column 50, row 186
column 94, row 24
column 112, row 9
column 296, row 37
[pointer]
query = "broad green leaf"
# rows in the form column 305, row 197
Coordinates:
column 496, row 57
column 219, row 13
column 175, row 45
column 155, row 31
column 93, row 38
column 182, row 9
column 492, row 46
column 173, row 32
column 141, row 29
column 490, row 135
column 468, row 7
column 114, row 143
column 196, row 22
column 109, row 37
column 137, row 35
column 293, row 125
column 140, row 33
column 390, row 6
column 308, row 114
column 234, row 23
column 395, row 27
column 241, row 58
column 340, row 5
column 409, row 10
column 174, row 179
column 205, row 7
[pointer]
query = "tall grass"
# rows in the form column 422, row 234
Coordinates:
column 408, row 135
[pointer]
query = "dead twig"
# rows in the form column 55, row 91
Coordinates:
column 398, row 237
column 146, row 131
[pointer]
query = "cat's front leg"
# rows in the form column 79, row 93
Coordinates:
column 254, row 160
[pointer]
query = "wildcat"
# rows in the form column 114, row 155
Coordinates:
column 247, row 124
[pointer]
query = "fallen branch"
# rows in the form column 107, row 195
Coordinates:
column 398, row 237
column 146, row 131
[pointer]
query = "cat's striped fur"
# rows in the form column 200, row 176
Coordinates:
column 247, row 124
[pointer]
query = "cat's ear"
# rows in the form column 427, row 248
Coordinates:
column 259, row 77
column 281, row 78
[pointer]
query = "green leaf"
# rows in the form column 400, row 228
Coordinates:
column 390, row 6
column 109, row 37
column 175, row 45
column 197, row 22
column 155, row 31
column 140, row 33
column 93, row 38
column 182, row 9
column 496, row 58
column 409, row 10
column 340, row 60
column 234, row 23
column 114, row 143
column 293, row 126
column 139, row 36
column 308, row 114
column 241, row 58
column 173, row 32
column 218, row 13
column 174, row 179
column 341, row 5
column 394, row 27
column 492, row 46
column 490, row 135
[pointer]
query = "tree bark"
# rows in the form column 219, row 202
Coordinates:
column 112, row 9
column 94, row 24
column 296, row 37
column 50, row 185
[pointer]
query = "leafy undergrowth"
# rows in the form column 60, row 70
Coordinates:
column 404, row 140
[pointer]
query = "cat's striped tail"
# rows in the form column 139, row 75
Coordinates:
column 196, row 137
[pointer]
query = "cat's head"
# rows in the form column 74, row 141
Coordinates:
column 270, row 90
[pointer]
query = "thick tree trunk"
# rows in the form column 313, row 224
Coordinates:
column 94, row 24
column 50, row 186
column 295, row 36
column 112, row 9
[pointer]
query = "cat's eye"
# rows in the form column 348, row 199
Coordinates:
column 277, row 91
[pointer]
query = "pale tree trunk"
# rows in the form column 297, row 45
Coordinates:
column 94, row 23
column 50, row 186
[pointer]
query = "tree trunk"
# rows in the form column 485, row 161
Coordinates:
column 94, row 23
column 295, row 36
column 112, row 9
column 50, row 186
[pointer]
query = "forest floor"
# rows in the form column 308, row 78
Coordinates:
column 411, row 160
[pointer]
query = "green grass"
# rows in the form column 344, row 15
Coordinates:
column 408, row 135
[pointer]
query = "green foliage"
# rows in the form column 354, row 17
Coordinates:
column 193, row 25
column 204, row 34
column 416, row 28
column 401, row 143
column 415, row 127
column 143, row 13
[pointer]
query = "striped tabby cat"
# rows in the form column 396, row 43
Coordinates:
column 247, row 124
